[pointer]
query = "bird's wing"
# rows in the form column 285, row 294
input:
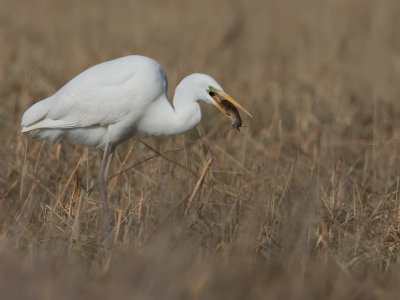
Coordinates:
column 107, row 93
column 95, row 106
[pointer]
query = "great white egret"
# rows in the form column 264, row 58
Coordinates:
column 115, row 100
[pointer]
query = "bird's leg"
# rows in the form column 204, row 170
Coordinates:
column 109, row 161
column 102, row 182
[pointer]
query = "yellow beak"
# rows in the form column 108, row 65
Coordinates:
column 218, row 95
column 225, row 96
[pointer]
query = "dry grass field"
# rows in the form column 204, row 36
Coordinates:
column 303, row 203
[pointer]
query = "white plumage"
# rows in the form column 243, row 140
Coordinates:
column 115, row 100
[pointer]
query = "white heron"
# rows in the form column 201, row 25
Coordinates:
column 118, row 99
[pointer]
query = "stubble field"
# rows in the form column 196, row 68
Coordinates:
column 303, row 203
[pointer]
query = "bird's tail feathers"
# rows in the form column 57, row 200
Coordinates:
column 36, row 117
column 48, row 124
column 36, row 113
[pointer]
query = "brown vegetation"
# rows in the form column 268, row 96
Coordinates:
column 303, row 203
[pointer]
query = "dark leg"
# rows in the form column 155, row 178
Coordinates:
column 110, row 159
column 102, row 182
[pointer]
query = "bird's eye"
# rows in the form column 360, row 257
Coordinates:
column 212, row 91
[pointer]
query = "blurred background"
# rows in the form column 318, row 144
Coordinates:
column 302, row 203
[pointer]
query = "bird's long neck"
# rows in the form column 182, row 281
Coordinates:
column 186, row 110
column 162, row 118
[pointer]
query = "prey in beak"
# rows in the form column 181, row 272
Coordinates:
column 228, row 106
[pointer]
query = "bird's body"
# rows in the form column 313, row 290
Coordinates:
column 115, row 100
column 112, row 101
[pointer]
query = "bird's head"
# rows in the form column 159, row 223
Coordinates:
column 203, row 87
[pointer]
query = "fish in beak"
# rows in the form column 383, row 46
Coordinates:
column 228, row 106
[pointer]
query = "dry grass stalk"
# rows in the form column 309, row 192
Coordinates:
column 198, row 184
column 71, row 176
